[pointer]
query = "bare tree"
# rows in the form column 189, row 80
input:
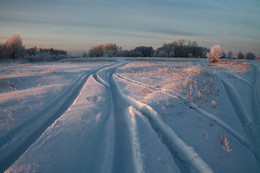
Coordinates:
column 215, row 53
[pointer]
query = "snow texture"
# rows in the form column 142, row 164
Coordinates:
column 122, row 116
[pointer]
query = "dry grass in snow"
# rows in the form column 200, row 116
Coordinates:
column 225, row 144
column 233, row 66
column 186, row 79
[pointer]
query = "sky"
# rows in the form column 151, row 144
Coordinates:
column 76, row 25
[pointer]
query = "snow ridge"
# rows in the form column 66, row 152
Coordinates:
column 202, row 112
column 250, row 123
column 135, row 144
column 172, row 141
column 99, row 80
column 62, row 103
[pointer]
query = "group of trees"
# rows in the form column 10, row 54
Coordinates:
column 112, row 50
column 141, row 51
column 13, row 48
column 240, row 55
column 42, row 52
column 216, row 53
column 181, row 48
column 104, row 50
column 178, row 48
column 249, row 55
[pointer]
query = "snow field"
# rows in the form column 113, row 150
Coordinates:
column 131, row 117
column 228, row 121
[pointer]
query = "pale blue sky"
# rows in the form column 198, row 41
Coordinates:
column 75, row 25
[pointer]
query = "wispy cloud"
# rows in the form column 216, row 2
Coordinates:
column 169, row 32
column 133, row 21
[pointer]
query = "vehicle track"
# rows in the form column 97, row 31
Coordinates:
column 100, row 80
column 249, row 123
column 242, row 140
column 62, row 103
column 126, row 156
column 123, row 160
column 185, row 156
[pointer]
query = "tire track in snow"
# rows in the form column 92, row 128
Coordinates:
column 12, row 133
column 236, row 103
column 239, row 78
column 104, row 134
column 126, row 142
column 123, row 158
column 256, row 91
column 250, row 124
column 135, row 143
column 62, row 104
column 242, row 140
column 256, row 108
column 183, row 154
column 246, row 121
column 158, row 158
column 127, row 157
column 99, row 80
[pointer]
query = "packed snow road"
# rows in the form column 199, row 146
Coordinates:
column 131, row 117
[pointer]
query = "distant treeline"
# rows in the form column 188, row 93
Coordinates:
column 177, row 48
column 13, row 49
column 41, row 51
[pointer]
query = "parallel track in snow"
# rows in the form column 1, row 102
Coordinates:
column 182, row 153
column 54, row 111
column 249, row 122
column 123, row 160
column 126, row 150
column 202, row 112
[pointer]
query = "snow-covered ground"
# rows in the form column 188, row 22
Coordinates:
column 121, row 116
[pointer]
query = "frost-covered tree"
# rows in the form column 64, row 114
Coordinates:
column 96, row 51
column 215, row 53
column 14, row 47
column 110, row 47
column 179, row 42
column 250, row 55
column 181, row 48
column 107, row 49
